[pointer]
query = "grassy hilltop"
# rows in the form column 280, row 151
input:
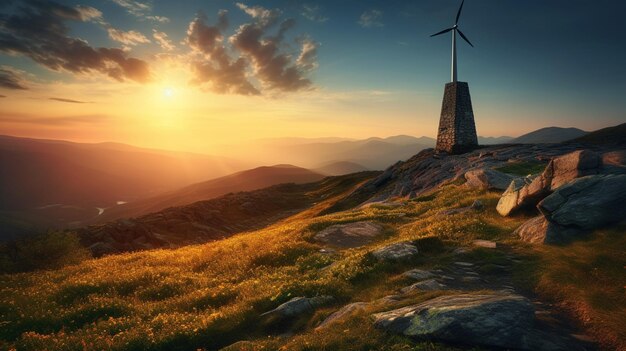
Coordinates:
column 210, row 296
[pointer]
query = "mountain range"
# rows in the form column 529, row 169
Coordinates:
column 60, row 184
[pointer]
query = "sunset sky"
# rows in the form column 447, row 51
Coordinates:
column 192, row 75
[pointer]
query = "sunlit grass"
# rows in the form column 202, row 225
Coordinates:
column 209, row 296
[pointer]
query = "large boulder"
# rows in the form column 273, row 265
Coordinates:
column 492, row 320
column 350, row 235
column 510, row 198
column 487, row 179
column 559, row 171
column 571, row 166
column 587, row 203
column 298, row 306
column 396, row 252
column 539, row 230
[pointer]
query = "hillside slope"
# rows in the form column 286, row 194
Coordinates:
column 607, row 136
column 251, row 179
column 340, row 168
column 213, row 219
column 435, row 267
column 549, row 135
column 224, row 293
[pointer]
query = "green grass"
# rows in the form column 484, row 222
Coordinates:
column 588, row 279
column 210, row 296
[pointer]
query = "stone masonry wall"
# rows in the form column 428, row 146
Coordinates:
column 457, row 130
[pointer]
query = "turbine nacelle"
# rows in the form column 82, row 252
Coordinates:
column 455, row 29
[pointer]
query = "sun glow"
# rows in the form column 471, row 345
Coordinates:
column 168, row 92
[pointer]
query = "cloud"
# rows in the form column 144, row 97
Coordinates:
column 215, row 68
column 274, row 69
column 88, row 13
column 263, row 16
column 38, row 30
column 136, row 8
column 68, row 100
column 163, row 40
column 3, row 96
column 52, row 121
column 371, row 18
column 161, row 19
column 9, row 79
column 140, row 10
column 312, row 13
column 254, row 59
column 130, row 37
column 307, row 59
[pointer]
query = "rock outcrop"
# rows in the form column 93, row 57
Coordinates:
column 487, row 179
column 563, row 169
column 396, row 252
column 587, row 203
column 350, row 235
column 491, row 320
column 427, row 171
column 582, row 205
column 539, row 230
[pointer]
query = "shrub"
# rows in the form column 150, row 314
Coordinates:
column 47, row 251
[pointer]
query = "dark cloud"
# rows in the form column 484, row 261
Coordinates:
column 3, row 96
column 254, row 55
column 273, row 68
column 38, row 29
column 11, row 80
column 68, row 100
column 216, row 68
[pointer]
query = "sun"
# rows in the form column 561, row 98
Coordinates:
column 168, row 92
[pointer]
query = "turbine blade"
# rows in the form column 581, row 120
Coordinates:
column 458, row 14
column 443, row 31
column 464, row 37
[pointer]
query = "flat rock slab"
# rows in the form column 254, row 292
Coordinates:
column 418, row 274
column 298, row 306
column 350, row 235
column 495, row 320
column 426, row 285
column 396, row 252
column 485, row 243
column 343, row 312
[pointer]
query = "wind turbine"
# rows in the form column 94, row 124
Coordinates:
column 454, row 30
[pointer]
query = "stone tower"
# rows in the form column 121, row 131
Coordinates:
column 457, row 131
